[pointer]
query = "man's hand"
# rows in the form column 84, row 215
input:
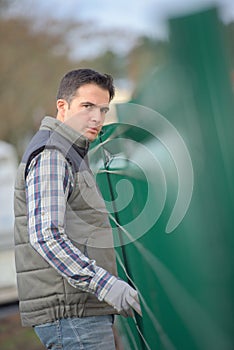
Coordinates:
column 123, row 298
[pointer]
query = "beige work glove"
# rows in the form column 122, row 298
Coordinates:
column 123, row 298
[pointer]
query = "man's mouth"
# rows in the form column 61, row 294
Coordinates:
column 94, row 130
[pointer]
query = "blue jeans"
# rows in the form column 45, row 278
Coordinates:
column 85, row 333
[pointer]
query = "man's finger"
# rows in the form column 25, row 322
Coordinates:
column 134, row 303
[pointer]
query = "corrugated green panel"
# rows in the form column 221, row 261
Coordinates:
column 185, row 277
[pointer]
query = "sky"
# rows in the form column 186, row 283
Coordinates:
column 142, row 17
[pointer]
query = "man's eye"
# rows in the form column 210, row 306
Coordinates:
column 88, row 106
column 104, row 110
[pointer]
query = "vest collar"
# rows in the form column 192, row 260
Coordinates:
column 79, row 141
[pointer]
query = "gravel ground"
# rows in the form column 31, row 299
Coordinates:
column 15, row 337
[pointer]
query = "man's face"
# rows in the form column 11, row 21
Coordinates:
column 86, row 112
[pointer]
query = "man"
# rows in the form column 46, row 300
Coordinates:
column 66, row 272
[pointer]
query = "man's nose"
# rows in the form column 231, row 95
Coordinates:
column 96, row 115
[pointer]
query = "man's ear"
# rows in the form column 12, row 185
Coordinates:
column 61, row 108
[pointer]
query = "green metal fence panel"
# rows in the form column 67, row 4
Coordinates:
column 182, row 265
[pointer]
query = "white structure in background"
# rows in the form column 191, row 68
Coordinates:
column 8, row 167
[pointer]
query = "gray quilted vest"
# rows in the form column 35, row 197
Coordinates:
column 44, row 295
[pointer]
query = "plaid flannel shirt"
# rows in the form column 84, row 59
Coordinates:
column 49, row 182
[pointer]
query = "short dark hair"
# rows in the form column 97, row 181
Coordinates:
column 74, row 79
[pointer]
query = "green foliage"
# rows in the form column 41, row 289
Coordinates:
column 29, row 69
column 108, row 62
column 147, row 54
